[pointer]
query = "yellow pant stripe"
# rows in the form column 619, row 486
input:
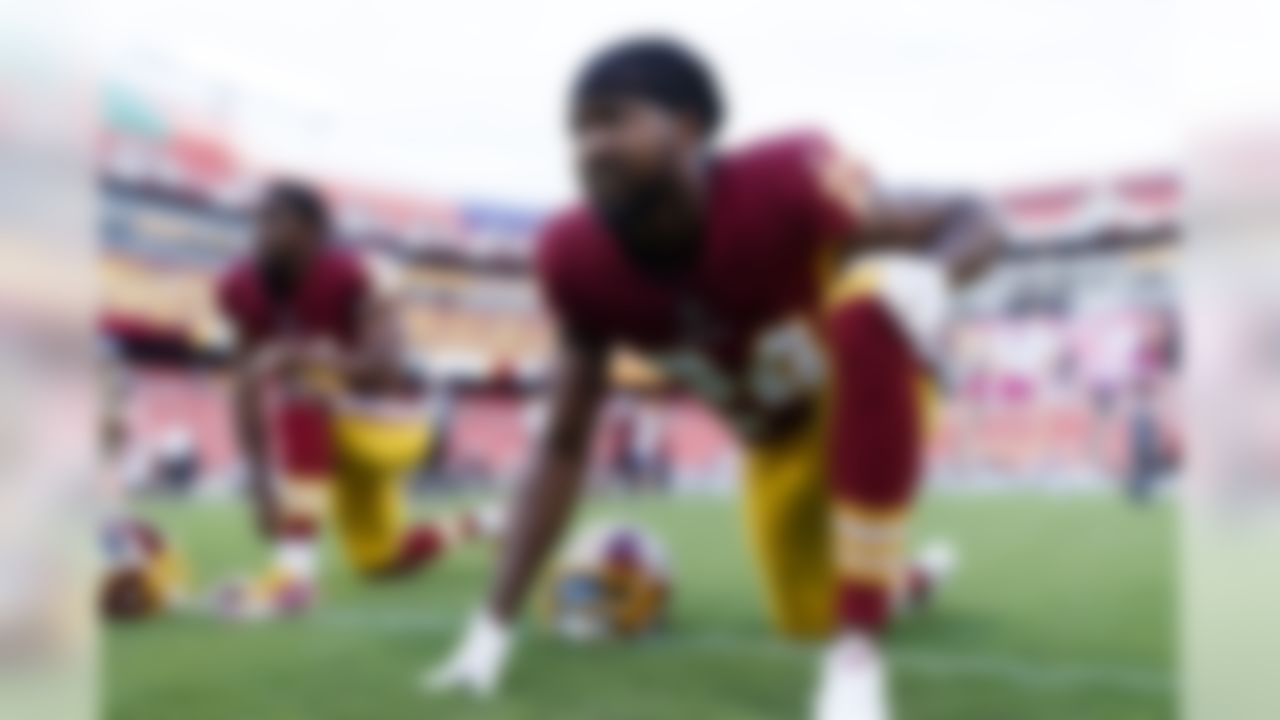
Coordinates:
column 869, row 543
column 305, row 496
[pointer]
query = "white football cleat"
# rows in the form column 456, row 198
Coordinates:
column 477, row 664
column 939, row 559
column 853, row 683
column 274, row 595
column 489, row 522
column 928, row 572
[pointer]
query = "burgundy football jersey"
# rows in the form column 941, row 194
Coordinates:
column 325, row 304
column 740, row 327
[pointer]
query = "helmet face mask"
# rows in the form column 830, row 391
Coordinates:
column 580, row 609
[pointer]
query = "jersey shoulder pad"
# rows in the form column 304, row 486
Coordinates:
column 829, row 185
column 233, row 285
column 563, row 254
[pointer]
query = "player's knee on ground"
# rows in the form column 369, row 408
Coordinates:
column 786, row 503
column 805, row 615
column 370, row 557
column 377, row 455
column 407, row 552
column 378, row 540
column 369, row 514
column 797, row 572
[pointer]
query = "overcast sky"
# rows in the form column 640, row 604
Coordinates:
column 466, row 98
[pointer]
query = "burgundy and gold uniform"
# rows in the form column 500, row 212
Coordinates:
column 324, row 305
column 323, row 432
column 793, row 349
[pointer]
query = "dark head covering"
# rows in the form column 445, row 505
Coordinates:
column 657, row 69
column 300, row 198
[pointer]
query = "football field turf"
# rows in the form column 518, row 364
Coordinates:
column 1062, row 608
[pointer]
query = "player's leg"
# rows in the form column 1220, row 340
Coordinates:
column 306, row 461
column 303, row 461
column 788, row 501
column 875, row 453
column 377, row 455
column 787, row 507
column 876, row 450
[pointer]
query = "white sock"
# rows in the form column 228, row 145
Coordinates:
column 853, row 684
column 856, row 646
column 297, row 557
column 490, row 520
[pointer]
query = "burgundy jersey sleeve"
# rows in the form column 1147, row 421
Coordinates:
column 361, row 278
column 828, row 190
column 558, row 276
column 234, row 304
column 349, row 281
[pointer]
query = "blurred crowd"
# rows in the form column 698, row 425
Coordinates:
column 1058, row 370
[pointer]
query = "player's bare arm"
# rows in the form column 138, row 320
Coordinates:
column 373, row 361
column 547, row 498
column 255, row 366
column 958, row 230
column 920, row 247
column 251, row 434
column 376, row 361
column 541, row 510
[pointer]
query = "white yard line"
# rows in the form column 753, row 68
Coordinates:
column 923, row 660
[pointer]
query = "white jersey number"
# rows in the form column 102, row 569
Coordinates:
column 786, row 366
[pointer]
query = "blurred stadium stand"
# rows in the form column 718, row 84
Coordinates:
column 1047, row 362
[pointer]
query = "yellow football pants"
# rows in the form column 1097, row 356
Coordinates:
column 788, row 519
column 789, row 507
column 375, row 457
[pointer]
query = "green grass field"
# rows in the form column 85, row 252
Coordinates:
column 1063, row 608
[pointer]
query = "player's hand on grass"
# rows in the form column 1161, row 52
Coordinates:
column 476, row 665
